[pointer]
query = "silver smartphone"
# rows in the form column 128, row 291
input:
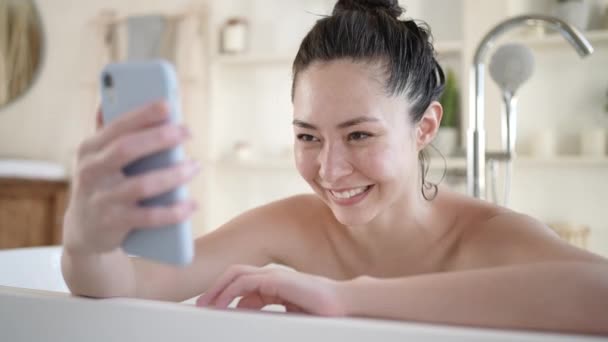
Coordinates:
column 128, row 86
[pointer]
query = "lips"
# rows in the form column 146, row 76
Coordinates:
column 349, row 193
column 350, row 196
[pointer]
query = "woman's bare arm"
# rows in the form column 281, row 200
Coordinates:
column 257, row 237
column 520, row 275
column 566, row 296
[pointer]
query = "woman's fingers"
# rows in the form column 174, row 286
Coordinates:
column 106, row 201
column 223, row 281
column 293, row 308
column 252, row 302
column 153, row 217
column 246, row 285
column 150, row 115
column 156, row 182
column 132, row 147
column 256, row 301
column 109, row 164
column 298, row 292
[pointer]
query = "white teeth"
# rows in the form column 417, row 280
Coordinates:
column 349, row 193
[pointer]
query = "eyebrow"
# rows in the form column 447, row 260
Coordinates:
column 344, row 124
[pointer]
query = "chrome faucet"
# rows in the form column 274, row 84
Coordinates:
column 476, row 144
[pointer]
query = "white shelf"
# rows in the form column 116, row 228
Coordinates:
column 32, row 169
column 443, row 48
column 446, row 48
column 562, row 161
column 454, row 163
column 270, row 164
column 283, row 164
column 528, row 161
column 252, row 59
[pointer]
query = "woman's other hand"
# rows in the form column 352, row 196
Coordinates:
column 258, row 287
column 103, row 205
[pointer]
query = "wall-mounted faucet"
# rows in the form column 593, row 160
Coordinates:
column 476, row 144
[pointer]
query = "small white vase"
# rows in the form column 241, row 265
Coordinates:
column 544, row 144
column 593, row 142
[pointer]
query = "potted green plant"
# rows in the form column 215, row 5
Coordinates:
column 446, row 140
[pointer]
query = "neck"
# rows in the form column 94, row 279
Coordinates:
column 411, row 222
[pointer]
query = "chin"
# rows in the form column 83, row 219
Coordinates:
column 353, row 216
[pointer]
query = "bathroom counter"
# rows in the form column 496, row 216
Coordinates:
column 34, row 315
column 32, row 169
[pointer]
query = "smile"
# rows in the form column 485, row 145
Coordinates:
column 350, row 196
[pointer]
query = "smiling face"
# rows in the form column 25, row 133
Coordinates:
column 355, row 145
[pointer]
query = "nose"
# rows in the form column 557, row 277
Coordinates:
column 333, row 163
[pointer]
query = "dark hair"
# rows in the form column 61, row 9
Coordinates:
column 369, row 31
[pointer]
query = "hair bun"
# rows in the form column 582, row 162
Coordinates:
column 389, row 6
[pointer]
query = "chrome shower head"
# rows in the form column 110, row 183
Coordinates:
column 476, row 133
column 510, row 66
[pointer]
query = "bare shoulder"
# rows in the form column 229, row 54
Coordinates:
column 273, row 230
column 290, row 213
column 496, row 236
column 287, row 210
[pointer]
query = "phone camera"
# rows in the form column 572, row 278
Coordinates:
column 107, row 80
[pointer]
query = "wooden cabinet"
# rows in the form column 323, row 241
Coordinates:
column 31, row 212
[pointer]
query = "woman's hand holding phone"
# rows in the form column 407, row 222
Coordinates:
column 103, row 207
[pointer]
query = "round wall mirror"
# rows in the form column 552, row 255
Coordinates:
column 21, row 48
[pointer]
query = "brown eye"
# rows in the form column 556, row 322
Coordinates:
column 357, row 136
column 306, row 138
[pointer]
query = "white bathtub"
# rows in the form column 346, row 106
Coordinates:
column 35, row 306
column 32, row 268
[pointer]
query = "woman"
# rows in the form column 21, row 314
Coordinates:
column 376, row 239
